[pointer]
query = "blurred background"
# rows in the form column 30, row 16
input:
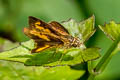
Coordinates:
column 14, row 17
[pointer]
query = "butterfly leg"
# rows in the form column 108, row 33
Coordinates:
column 66, row 46
column 56, row 51
column 63, row 54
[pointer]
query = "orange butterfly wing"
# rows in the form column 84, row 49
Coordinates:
column 45, row 35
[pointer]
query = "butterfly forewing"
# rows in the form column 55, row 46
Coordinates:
column 44, row 35
column 58, row 28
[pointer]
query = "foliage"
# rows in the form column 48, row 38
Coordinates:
column 57, row 63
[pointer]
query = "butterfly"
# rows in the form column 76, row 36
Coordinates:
column 49, row 35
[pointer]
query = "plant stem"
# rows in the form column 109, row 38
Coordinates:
column 105, row 59
column 90, row 67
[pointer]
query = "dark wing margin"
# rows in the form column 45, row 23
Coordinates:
column 54, row 26
column 33, row 21
column 58, row 28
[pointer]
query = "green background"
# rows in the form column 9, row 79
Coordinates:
column 14, row 17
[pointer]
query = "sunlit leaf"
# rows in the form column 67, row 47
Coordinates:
column 61, row 73
column 18, row 71
column 6, row 44
column 84, row 30
column 112, row 30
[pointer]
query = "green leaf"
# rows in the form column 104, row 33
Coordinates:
column 84, row 30
column 17, row 71
column 112, row 30
column 49, row 57
column 6, row 44
column 61, row 73
column 20, row 50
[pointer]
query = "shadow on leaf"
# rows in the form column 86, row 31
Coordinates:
column 47, row 57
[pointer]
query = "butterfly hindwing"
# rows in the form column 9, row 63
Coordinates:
column 40, row 47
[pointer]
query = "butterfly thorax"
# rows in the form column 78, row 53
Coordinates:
column 70, row 41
